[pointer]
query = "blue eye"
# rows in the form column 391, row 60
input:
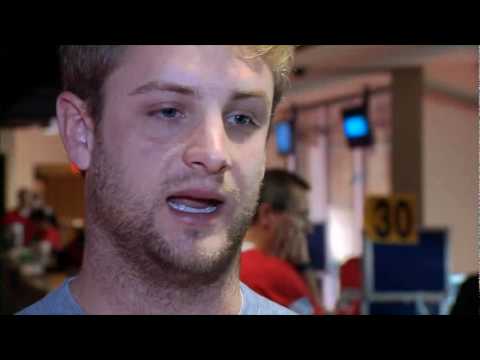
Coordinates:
column 166, row 113
column 169, row 113
column 241, row 119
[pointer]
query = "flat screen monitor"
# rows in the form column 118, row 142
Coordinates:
column 284, row 135
column 357, row 128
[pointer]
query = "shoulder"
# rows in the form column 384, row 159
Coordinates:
column 58, row 302
column 255, row 304
column 275, row 269
column 266, row 273
column 257, row 260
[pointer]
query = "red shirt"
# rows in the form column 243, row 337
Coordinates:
column 52, row 235
column 13, row 217
column 350, row 302
column 277, row 280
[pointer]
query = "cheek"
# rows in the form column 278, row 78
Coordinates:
column 150, row 166
column 250, row 161
column 143, row 166
column 279, row 222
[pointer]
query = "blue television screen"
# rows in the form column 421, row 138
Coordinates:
column 284, row 137
column 356, row 126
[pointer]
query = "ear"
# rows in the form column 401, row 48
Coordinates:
column 76, row 129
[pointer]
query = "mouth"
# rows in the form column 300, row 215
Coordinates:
column 192, row 206
column 195, row 202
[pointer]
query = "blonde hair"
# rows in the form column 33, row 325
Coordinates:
column 280, row 60
column 85, row 68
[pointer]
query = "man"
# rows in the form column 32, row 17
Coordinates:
column 45, row 231
column 350, row 300
column 17, row 223
column 275, row 261
column 171, row 140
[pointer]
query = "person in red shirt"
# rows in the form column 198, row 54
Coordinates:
column 18, row 218
column 274, row 260
column 45, row 231
column 351, row 283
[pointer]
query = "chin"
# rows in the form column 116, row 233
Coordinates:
column 208, row 248
column 194, row 255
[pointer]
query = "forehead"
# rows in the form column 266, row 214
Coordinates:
column 209, row 67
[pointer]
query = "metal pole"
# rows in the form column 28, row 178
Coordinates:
column 359, row 185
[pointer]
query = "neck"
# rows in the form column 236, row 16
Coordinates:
column 256, row 235
column 109, row 285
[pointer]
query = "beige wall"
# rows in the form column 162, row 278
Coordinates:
column 450, row 175
column 30, row 147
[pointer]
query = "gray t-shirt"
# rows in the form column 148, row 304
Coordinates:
column 61, row 302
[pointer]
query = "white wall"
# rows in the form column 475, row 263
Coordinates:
column 450, row 174
column 30, row 147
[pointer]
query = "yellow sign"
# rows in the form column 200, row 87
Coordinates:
column 391, row 220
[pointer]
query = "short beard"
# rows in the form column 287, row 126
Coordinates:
column 127, row 222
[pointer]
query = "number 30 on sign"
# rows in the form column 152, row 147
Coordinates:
column 391, row 220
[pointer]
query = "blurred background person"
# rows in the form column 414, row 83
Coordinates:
column 31, row 243
column 275, row 261
column 46, row 240
column 17, row 227
column 38, row 203
column 351, row 283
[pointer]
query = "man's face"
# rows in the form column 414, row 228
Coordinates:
column 179, row 156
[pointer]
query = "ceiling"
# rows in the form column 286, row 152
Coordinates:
column 359, row 58
column 332, row 70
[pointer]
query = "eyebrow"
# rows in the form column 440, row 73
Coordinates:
column 167, row 87
column 153, row 86
column 261, row 95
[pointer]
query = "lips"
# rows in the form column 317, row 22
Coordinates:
column 195, row 201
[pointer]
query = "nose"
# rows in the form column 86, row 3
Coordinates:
column 207, row 146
